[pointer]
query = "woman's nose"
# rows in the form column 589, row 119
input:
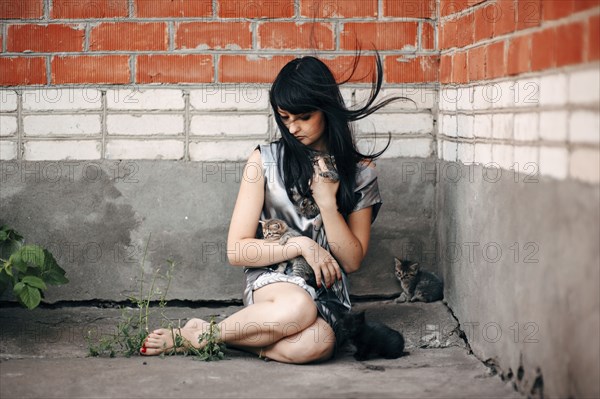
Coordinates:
column 293, row 128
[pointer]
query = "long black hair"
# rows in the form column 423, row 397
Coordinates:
column 306, row 85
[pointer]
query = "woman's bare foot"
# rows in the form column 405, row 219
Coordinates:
column 166, row 340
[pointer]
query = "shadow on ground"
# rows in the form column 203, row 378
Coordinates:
column 43, row 354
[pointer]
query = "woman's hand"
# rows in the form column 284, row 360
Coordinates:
column 322, row 262
column 324, row 190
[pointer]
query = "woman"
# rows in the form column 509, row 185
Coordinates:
column 285, row 319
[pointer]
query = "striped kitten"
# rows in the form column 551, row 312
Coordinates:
column 417, row 284
column 278, row 230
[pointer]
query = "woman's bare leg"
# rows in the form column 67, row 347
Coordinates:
column 164, row 340
column 313, row 344
column 279, row 310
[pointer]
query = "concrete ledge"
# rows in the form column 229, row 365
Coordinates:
column 47, row 346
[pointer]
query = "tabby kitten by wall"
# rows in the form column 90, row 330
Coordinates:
column 371, row 339
column 278, row 230
column 417, row 284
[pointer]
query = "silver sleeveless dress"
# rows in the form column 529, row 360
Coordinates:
column 335, row 301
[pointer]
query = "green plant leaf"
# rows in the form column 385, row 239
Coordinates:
column 33, row 255
column 35, row 282
column 30, row 297
column 11, row 243
column 10, row 234
column 17, row 261
column 18, row 288
column 52, row 273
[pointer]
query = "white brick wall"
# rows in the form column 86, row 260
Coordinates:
column 396, row 123
column 449, row 125
column 548, row 120
column 554, row 162
column 46, row 125
column 585, row 165
column 466, row 153
column 526, row 126
column 502, row 126
column 8, row 101
column 464, row 102
column 448, row 99
column 482, row 125
column 584, row 86
column 547, row 124
column 424, row 97
column 147, row 149
column 144, row 100
column 8, row 150
column 553, row 125
column 61, row 150
column 230, row 125
column 553, row 89
column 146, row 124
column 222, row 151
column 222, row 97
column 584, row 127
column 414, row 148
column 502, row 154
column 56, row 99
column 8, row 125
column 465, row 125
column 449, row 151
column 526, row 159
column 483, row 153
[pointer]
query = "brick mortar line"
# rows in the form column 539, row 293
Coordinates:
column 103, row 124
column 569, row 145
column 200, row 86
column 4, row 43
column 171, row 36
column 48, row 65
column 215, row 12
column 77, row 21
column 132, row 66
column 86, row 37
column 131, row 8
column 254, row 51
column 103, row 136
column 523, row 110
column 20, row 147
column 186, row 125
column 46, row 11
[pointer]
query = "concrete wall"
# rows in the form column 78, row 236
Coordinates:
column 520, row 262
column 96, row 218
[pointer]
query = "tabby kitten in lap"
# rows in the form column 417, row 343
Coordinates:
column 417, row 285
column 278, row 230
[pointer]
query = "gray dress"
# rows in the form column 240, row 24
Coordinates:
column 333, row 302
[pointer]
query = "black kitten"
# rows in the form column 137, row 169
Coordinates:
column 372, row 339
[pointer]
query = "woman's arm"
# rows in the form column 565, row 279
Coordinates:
column 348, row 241
column 243, row 249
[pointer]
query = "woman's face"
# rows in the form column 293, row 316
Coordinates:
column 307, row 128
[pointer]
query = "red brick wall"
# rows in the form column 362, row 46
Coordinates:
column 200, row 41
column 487, row 39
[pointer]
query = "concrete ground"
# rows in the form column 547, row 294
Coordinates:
column 43, row 354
